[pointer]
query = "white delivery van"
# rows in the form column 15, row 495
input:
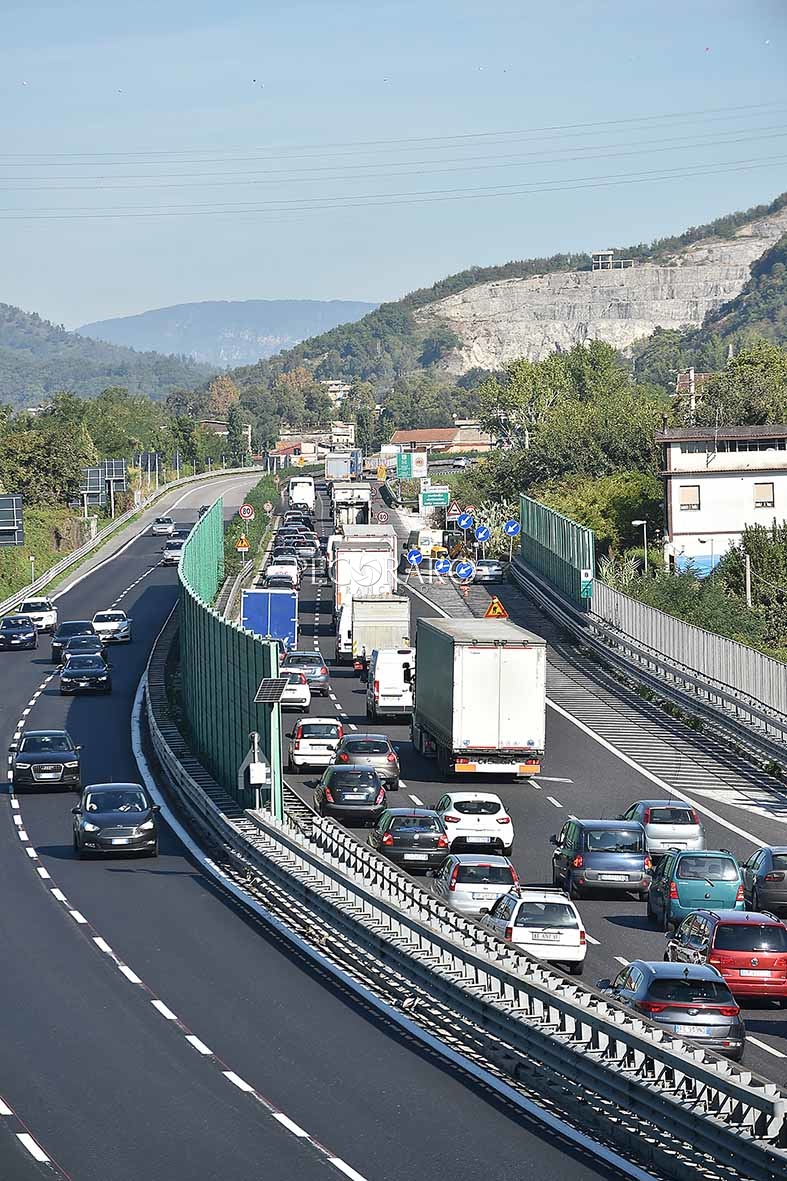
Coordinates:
column 344, row 633
column 301, row 491
column 389, row 688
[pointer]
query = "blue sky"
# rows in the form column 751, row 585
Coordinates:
column 158, row 153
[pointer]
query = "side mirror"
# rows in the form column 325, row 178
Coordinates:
column 14, row 746
column 76, row 811
column 553, row 840
column 605, row 983
column 79, row 747
column 156, row 808
column 484, row 910
column 290, row 734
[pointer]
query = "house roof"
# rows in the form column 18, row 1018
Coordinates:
column 677, row 434
column 431, row 435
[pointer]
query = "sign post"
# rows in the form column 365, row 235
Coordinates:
column 482, row 534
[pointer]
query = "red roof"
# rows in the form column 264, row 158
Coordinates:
column 432, row 435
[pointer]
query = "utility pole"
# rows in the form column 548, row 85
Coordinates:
column 747, row 569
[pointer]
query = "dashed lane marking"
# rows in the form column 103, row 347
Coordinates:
column 32, row 854
column 35, row 1149
column 289, row 1124
column 77, row 916
column 590, row 939
column 622, row 960
column 58, row 894
column 102, row 945
column 556, row 803
column 43, row 873
column 237, row 1081
column 764, row 1046
column 163, row 1009
column 416, row 800
column 129, row 974
column 199, row 1046
column 343, row 1167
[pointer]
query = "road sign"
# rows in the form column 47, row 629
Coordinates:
column 382, row 516
column 483, row 533
column 453, row 511
column 464, row 570
column 495, row 610
column 382, row 472
column 268, row 506
column 415, row 557
column 242, row 544
column 246, row 512
column 471, row 509
column 411, row 465
column 586, row 584
column 465, row 520
column 512, row 528
column 435, row 497
column 442, row 566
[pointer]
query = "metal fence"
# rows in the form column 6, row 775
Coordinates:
column 222, row 665
column 556, row 547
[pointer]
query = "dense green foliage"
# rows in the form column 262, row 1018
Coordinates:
column 263, row 492
column 38, row 358
column 608, row 505
column 50, row 533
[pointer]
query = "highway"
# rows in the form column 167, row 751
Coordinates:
column 583, row 777
column 153, row 1030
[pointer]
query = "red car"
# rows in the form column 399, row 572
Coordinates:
column 749, row 949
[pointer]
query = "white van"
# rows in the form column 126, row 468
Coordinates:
column 389, row 689
column 301, row 491
column 344, row 633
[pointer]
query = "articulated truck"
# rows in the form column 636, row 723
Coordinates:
column 480, row 697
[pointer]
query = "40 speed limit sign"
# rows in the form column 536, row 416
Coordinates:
column 246, row 512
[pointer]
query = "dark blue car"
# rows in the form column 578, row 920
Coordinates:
column 18, row 631
column 601, row 855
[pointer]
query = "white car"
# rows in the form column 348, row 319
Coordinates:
column 285, row 566
column 313, row 742
column 297, row 694
column 544, row 923
column 475, row 819
column 43, row 613
column 279, row 572
column 113, row 626
column 472, row 883
column 163, row 527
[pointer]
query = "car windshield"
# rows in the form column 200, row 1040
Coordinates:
column 751, row 937
column 109, row 617
column 485, row 875
column 14, row 621
column 476, row 807
column 73, row 628
column 121, row 800
column 708, row 869
column 684, row 990
column 174, row 545
column 611, row 840
column 301, row 659
column 546, row 914
column 671, row 816
column 40, row 744
column 84, row 664
column 319, row 730
column 36, row 605
column 366, row 746
column 352, row 779
column 164, row 521
column 408, row 824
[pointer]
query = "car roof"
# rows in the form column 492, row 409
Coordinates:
column 480, row 859
column 372, row 737
column 776, row 848
column 308, row 720
column 315, row 655
column 411, row 811
column 702, row 853
column 41, row 733
column 663, row 804
column 354, row 767
column 632, row 824
column 525, row 894
column 113, row 786
column 474, row 795
column 741, row 917
column 665, row 970
column 82, row 622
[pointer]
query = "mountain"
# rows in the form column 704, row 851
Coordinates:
column 485, row 316
column 228, row 332
column 38, row 358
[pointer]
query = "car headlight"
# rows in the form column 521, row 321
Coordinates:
column 71, row 766
column 22, row 766
column 104, row 678
column 88, row 827
column 147, row 826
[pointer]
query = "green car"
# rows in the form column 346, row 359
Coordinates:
column 687, row 880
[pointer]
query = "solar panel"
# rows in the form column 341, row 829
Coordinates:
column 271, row 690
column 114, row 470
column 11, row 527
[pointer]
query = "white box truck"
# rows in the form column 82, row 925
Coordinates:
column 352, row 503
column 362, row 567
column 300, row 490
column 480, row 696
column 378, row 621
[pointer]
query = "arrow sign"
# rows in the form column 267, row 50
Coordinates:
column 512, row 528
column 442, row 566
column 483, row 533
column 464, row 570
column 415, row 557
column 246, row 512
column 464, row 521
column 495, row 610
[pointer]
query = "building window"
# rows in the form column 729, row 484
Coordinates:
column 689, row 498
column 763, row 495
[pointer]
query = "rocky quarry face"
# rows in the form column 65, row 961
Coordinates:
column 502, row 321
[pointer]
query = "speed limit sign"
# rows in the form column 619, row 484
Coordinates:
column 246, row 512
column 382, row 516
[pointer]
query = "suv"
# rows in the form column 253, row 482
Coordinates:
column 691, row 1002
column 668, row 824
column 43, row 613
column 684, row 881
column 601, row 855
column 749, row 950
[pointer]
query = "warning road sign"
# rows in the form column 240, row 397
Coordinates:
column 495, row 610
column 453, row 512
column 246, row 512
column 242, row 544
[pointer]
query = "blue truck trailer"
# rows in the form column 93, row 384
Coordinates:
column 272, row 614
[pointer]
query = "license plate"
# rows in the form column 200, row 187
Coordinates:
column 120, row 840
column 354, row 795
column 694, row 1030
column 545, row 936
column 479, row 897
column 416, row 857
column 84, row 684
column 476, row 840
column 755, row 972
column 613, row 877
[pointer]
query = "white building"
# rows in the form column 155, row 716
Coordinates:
column 716, row 481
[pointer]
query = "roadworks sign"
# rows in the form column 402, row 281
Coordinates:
column 242, row 544
column 495, row 610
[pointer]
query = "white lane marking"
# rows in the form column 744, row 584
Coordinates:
column 755, row 1041
column 341, row 1165
column 237, row 1081
column 25, row 712
column 621, row 960
column 31, row 853
column 590, row 939
column 416, row 800
column 18, row 821
column 552, row 800
column 163, row 1010
column 351, row 726
column 536, row 784
column 555, row 779
column 77, row 917
column 671, row 789
column 127, row 972
column 35, row 1150
column 4, row 1108
column 199, row 1046
column 289, row 1124
column 14, row 803
column 59, row 894
column 20, row 832
column 102, row 945
column 44, row 873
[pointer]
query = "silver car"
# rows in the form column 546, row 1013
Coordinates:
column 172, row 552
column 163, row 527
column 489, row 570
column 471, row 882
column 371, row 750
column 668, row 824
column 113, row 626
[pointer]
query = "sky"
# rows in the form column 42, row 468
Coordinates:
column 169, row 151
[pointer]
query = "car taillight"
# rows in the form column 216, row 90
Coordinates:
column 577, row 862
column 387, row 839
column 442, row 841
column 773, row 877
column 504, row 820
column 343, row 758
column 650, row 1007
column 376, row 689
column 357, row 666
column 648, row 863
column 729, row 1010
column 739, row 895
column 514, row 877
column 299, row 734
column 509, row 934
column 646, row 817
column 303, row 679
column 380, row 796
column 694, row 817
column 391, row 757
column 454, row 876
column 451, row 819
column 323, row 672
column 673, row 891
column 340, row 731
column 582, row 939
column 329, row 795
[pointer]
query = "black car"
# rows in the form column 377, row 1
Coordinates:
column 350, row 793
column 115, row 818
column 18, row 631
column 83, row 646
column 64, row 631
column 43, row 759
column 414, row 838
column 85, row 674
column 203, row 508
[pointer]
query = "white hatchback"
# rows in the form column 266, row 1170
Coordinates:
column 474, row 820
column 544, row 923
column 163, row 527
column 43, row 613
column 313, row 742
column 297, row 694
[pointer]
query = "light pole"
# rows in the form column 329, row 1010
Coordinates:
column 704, row 541
column 32, row 568
column 644, row 525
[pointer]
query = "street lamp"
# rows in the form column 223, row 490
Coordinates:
column 644, row 525
column 704, row 541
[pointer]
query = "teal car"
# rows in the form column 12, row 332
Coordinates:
column 687, row 880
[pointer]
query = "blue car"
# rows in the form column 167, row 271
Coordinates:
column 18, row 631
column 689, row 879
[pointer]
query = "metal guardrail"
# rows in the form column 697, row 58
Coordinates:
column 95, row 542
column 703, row 1105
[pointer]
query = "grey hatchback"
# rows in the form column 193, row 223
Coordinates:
column 765, row 879
column 691, row 1001
column 313, row 667
column 372, row 750
column 601, row 855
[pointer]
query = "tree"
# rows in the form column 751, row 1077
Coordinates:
column 222, row 393
column 236, row 439
column 751, row 391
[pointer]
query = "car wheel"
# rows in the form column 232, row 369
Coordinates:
column 576, row 969
column 154, row 851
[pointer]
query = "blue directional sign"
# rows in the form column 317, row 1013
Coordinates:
column 464, row 521
column 464, row 570
column 512, row 528
column 483, row 533
column 415, row 557
column 442, row 566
